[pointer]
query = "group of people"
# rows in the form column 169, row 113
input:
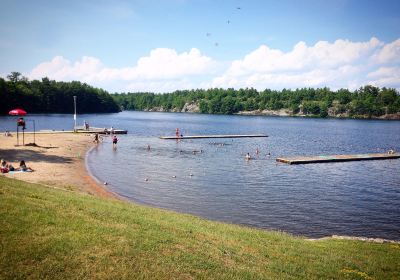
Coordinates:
column 6, row 167
column 97, row 139
column 249, row 157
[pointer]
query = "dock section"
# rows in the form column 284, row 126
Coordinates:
column 90, row 131
column 212, row 136
column 337, row 158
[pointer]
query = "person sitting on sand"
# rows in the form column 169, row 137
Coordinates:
column 248, row 156
column 23, row 167
column 4, row 166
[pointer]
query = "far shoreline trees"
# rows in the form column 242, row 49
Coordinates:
column 367, row 101
column 49, row 96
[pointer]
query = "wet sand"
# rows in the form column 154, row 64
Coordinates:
column 58, row 161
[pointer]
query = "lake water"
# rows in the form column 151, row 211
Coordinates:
column 351, row 198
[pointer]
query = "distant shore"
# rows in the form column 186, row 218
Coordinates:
column 58, row 161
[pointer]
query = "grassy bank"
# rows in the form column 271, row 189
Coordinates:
column 53, row 234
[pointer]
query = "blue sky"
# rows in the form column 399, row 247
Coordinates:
column 166, row 45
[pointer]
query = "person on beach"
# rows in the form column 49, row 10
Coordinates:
column 23, row 167
column 114, row 141
column 86, row 125
column 112, row 130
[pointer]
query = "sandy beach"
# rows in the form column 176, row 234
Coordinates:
column 58, row 160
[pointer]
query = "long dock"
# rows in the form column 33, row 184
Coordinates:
column 212, row 136
column 337, row 158
column 90, row 131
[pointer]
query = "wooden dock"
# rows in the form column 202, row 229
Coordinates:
column 337, row 158
column 90, row 131
column 212, row 136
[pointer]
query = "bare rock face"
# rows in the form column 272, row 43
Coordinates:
column 282, row 113
column 191, row 108
column 156, row 109
column 391, row 116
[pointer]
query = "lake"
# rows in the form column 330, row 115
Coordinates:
column 211, row 179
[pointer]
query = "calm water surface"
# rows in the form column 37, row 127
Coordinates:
column 352, row 198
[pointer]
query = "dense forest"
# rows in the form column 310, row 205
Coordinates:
column 47, row 96
column 366, row 102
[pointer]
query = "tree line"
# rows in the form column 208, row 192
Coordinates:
column 49, row 96
column 367, row 101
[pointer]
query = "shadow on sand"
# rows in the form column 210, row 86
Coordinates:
column 14, row 155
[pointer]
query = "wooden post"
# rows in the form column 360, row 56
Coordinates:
column 17, row 135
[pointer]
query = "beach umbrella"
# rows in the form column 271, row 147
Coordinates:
column 17, row 112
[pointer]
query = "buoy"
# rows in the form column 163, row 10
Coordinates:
column 174, row 176
column 190, row 174
column 105, row 183
column 146, row 179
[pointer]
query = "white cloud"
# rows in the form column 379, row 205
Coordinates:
column 161, row 66
column 385, row 77
column 390, row 53
column 342, row 63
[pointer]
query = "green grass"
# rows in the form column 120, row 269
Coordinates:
column 53, row 234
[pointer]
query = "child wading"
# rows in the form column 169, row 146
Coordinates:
column 114, row 141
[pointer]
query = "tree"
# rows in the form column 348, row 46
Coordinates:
column 14, row 77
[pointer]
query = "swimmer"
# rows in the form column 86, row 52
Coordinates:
column 248, row 156
column 148, row 147
column 257, row 151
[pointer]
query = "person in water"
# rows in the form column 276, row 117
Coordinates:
column 114, row 141
column 248, row 156
column 177, row 134
column 96, row 138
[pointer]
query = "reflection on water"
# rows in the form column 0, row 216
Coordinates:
column 210, row 177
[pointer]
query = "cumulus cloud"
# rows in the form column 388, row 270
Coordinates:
column 390, row 53
column 342, row 63
column 337, row 64
column 161, row 66
column 385, row 77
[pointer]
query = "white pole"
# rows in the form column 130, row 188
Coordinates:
column 74, row 113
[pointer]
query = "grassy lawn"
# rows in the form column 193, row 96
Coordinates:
column 53, row 234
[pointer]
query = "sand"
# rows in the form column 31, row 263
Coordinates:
column 58, row 160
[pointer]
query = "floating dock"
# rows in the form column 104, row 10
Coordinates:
column 90, row 131
column 337, row 158
column 212, row 136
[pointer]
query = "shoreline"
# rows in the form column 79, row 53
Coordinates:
column 59, row 160
column 54, row 166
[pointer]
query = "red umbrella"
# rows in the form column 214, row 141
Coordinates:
column 17, row 112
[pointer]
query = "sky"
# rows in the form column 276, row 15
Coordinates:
column 166, row 45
